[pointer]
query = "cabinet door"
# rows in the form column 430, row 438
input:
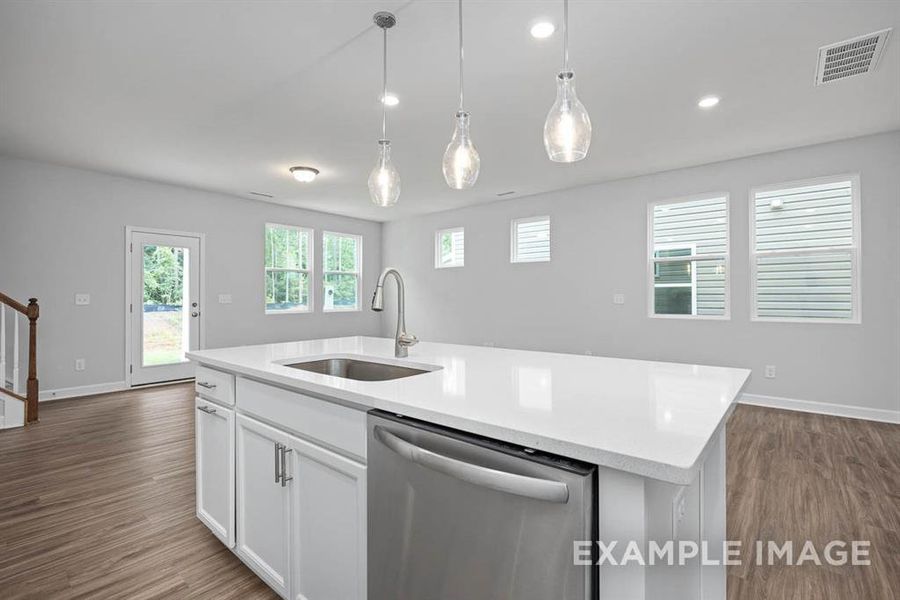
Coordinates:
column 328, row 512
column 214, row 433
column 263, row 516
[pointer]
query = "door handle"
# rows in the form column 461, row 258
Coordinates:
column 207, row 410
column 284, row 477
column 207, row 385
column 195, row 313
column 277, row 462
column 494, row 479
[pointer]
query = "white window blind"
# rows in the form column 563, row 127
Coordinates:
column 288, row 264
column 341, row 271
column 804, row 241
column 449, row 248
column 688, row 257
column 530, row 240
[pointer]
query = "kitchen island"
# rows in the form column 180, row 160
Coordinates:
column 655, row 431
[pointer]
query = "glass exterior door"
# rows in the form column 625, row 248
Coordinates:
column 165, row 306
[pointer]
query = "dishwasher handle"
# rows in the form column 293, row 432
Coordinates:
column 502, row 481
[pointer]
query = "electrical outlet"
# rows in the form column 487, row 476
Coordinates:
column 618, row 298
column 82, row 299
column 224, row 298
column 488, row 344
column 79, row 364
column 589, row 352
column 770, row 371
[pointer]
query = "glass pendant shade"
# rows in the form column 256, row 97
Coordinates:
column 384, row 180
column 567, row 130
column 461, row 161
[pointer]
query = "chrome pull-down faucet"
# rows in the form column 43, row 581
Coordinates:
column 403, row 340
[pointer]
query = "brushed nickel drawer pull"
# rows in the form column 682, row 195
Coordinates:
column 207, row 385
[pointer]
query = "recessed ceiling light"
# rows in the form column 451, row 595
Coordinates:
column 304, row 174
column 542, row 29
column 708, row 101
column 390, row 100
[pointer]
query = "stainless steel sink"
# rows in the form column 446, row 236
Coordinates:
column 361, row 370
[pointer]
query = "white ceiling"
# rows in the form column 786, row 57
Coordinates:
column 226, row 96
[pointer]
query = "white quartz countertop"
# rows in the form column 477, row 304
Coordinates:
column 652, row 419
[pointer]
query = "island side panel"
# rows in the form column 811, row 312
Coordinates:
column 712, row 519
column 622, row 518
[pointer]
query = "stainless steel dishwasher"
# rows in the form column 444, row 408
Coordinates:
column 452, row 516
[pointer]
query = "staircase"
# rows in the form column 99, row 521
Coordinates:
column 18, row 389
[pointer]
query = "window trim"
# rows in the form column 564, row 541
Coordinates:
column 309, row 270
column 513, row 237
column 357, row 273
column 855, row 250
column 437, row 247
column 652, row 261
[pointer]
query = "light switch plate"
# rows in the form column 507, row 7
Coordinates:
column 82, row 299
column 618, row 298
column 224, row 298
column 79, row 364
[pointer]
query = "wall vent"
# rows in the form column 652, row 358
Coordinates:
column 849, row 58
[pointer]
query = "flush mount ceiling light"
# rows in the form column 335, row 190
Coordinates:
column 567, row 130
column 384, row 180
column 390, row 100
column 708, row 101
column 461, row 162
column 542, row 29
column 304, row 174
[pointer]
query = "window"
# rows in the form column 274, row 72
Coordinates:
column 804, row 244
column 341, row 267
column 449, row 248
column 688, row 257
column 288, row 266
column 530, row 240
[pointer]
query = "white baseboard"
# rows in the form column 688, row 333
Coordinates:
column 82, row 390
column 823, row 408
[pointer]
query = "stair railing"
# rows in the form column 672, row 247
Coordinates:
column 31, row 311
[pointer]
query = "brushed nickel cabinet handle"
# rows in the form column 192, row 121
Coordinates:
column 284, row 477
column 207, row 410
column 277, row 462
column 207, row 385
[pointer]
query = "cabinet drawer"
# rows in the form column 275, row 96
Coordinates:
column 335, row 426
column 214, row 385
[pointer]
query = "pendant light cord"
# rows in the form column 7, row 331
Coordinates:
column 460, row 57
column 384, row 90
column 566, row 36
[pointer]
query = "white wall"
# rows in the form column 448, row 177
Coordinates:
column 62, row 231
column 599, row 247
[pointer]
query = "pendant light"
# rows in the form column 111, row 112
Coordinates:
column 384, row 180
column 461, row 162
column 567, row 130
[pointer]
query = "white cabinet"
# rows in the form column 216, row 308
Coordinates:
column 328, row 522
column 214, row 435
column 263, row 503
column 292, row 505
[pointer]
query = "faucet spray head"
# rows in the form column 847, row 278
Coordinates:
column 378, row 299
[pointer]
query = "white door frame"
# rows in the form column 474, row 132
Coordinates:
column 129, row 230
